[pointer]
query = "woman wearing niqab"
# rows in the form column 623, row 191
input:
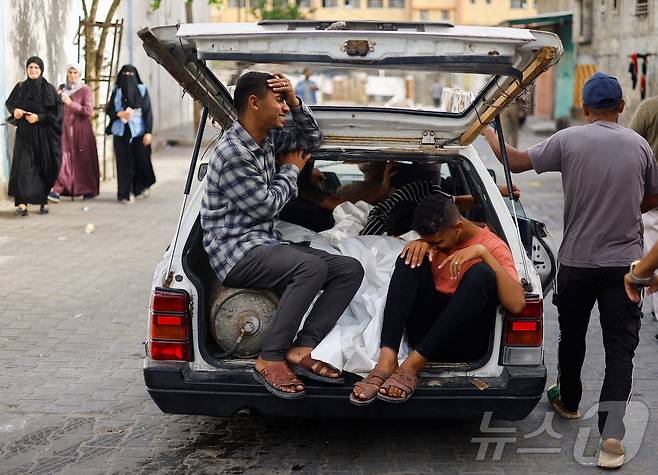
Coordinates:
column 37, row 113
column 131, row 122
column 79, row 175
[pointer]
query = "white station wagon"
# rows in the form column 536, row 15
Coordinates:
column 376, row 104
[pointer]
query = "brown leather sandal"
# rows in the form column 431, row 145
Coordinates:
column 278, row 375
column 310, row 368
column 402, row 379
column 369, row 386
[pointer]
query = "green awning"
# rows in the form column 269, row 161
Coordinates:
column 540, row 20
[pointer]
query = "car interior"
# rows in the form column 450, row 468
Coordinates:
column 456, row 178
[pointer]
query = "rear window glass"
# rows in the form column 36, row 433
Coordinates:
column 419, row 90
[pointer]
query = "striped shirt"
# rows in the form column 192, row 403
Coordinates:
column 413, row 193
column 244, row 191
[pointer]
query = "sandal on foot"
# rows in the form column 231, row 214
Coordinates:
column 369, row 386
column 402, row 379
column 612, row 454
column 310, row 368
column 553, row 395
column 278, row 374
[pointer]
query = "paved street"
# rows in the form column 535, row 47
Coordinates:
column 72, row 398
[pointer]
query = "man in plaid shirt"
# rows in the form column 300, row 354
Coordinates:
column 239, row 213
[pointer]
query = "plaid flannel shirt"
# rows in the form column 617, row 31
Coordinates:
column 244, row 191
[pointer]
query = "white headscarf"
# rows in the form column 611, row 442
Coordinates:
column 71, row 87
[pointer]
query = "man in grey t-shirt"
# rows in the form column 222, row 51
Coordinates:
column 609, row 177
column 645, row 123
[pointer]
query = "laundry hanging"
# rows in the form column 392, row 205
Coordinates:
column 632, row 68
column 643, row 76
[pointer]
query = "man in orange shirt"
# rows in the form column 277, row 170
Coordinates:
column 446, row 303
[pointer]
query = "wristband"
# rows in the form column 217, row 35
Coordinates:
column 639, row 281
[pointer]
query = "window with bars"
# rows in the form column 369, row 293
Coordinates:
column 375, row 3
column 352, row 3
column 329, row 3
column 237, row 3
column 641, row 7
column 396, row 3
column 303, row 3
column 519, row 3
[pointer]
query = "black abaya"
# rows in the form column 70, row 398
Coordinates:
column 134, row 167
column 37, row 150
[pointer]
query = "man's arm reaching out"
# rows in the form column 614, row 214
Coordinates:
column 643, row 269
column 518, row 161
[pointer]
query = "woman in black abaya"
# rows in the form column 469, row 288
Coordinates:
column 36, row 110
column 131, row 123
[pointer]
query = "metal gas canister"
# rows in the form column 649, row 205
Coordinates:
column 240, row 319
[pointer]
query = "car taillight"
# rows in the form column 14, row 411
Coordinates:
column 170, row 350
column 526, row 328
column 170, row 325
column 524, row 334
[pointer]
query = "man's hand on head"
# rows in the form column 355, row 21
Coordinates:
column 297, row 158
column 282, row 85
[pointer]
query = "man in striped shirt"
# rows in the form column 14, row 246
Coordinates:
column 394, row 215
column 239, row 214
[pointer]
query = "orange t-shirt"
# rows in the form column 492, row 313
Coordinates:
column 493, row 243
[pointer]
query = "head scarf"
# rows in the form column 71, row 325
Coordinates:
column 130, row 95
column 37, row 94
column 71, row 87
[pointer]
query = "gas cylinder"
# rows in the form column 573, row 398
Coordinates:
column 240, row 319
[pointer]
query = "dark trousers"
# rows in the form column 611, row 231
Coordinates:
column 577, row 291
column 440, row 327
column 134, row 169
column 297, row 274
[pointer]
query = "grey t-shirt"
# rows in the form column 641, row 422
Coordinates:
column 606, row 171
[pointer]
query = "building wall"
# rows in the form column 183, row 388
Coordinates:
column 45, row 28
column 436, row 10
column 493, row 12
column 469, row 12
column 615, row 35
column 553, row 6
column 170, row 109
column 402, row 10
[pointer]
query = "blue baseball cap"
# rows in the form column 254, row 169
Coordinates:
column 602, row 91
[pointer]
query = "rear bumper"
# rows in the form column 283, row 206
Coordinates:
column 177, row 390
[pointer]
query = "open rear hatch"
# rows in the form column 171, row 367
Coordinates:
column 508, row 58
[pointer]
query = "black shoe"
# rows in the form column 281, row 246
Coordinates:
column 21, row 211
column 88, row 196
column 53, row 196
column 43, row 209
